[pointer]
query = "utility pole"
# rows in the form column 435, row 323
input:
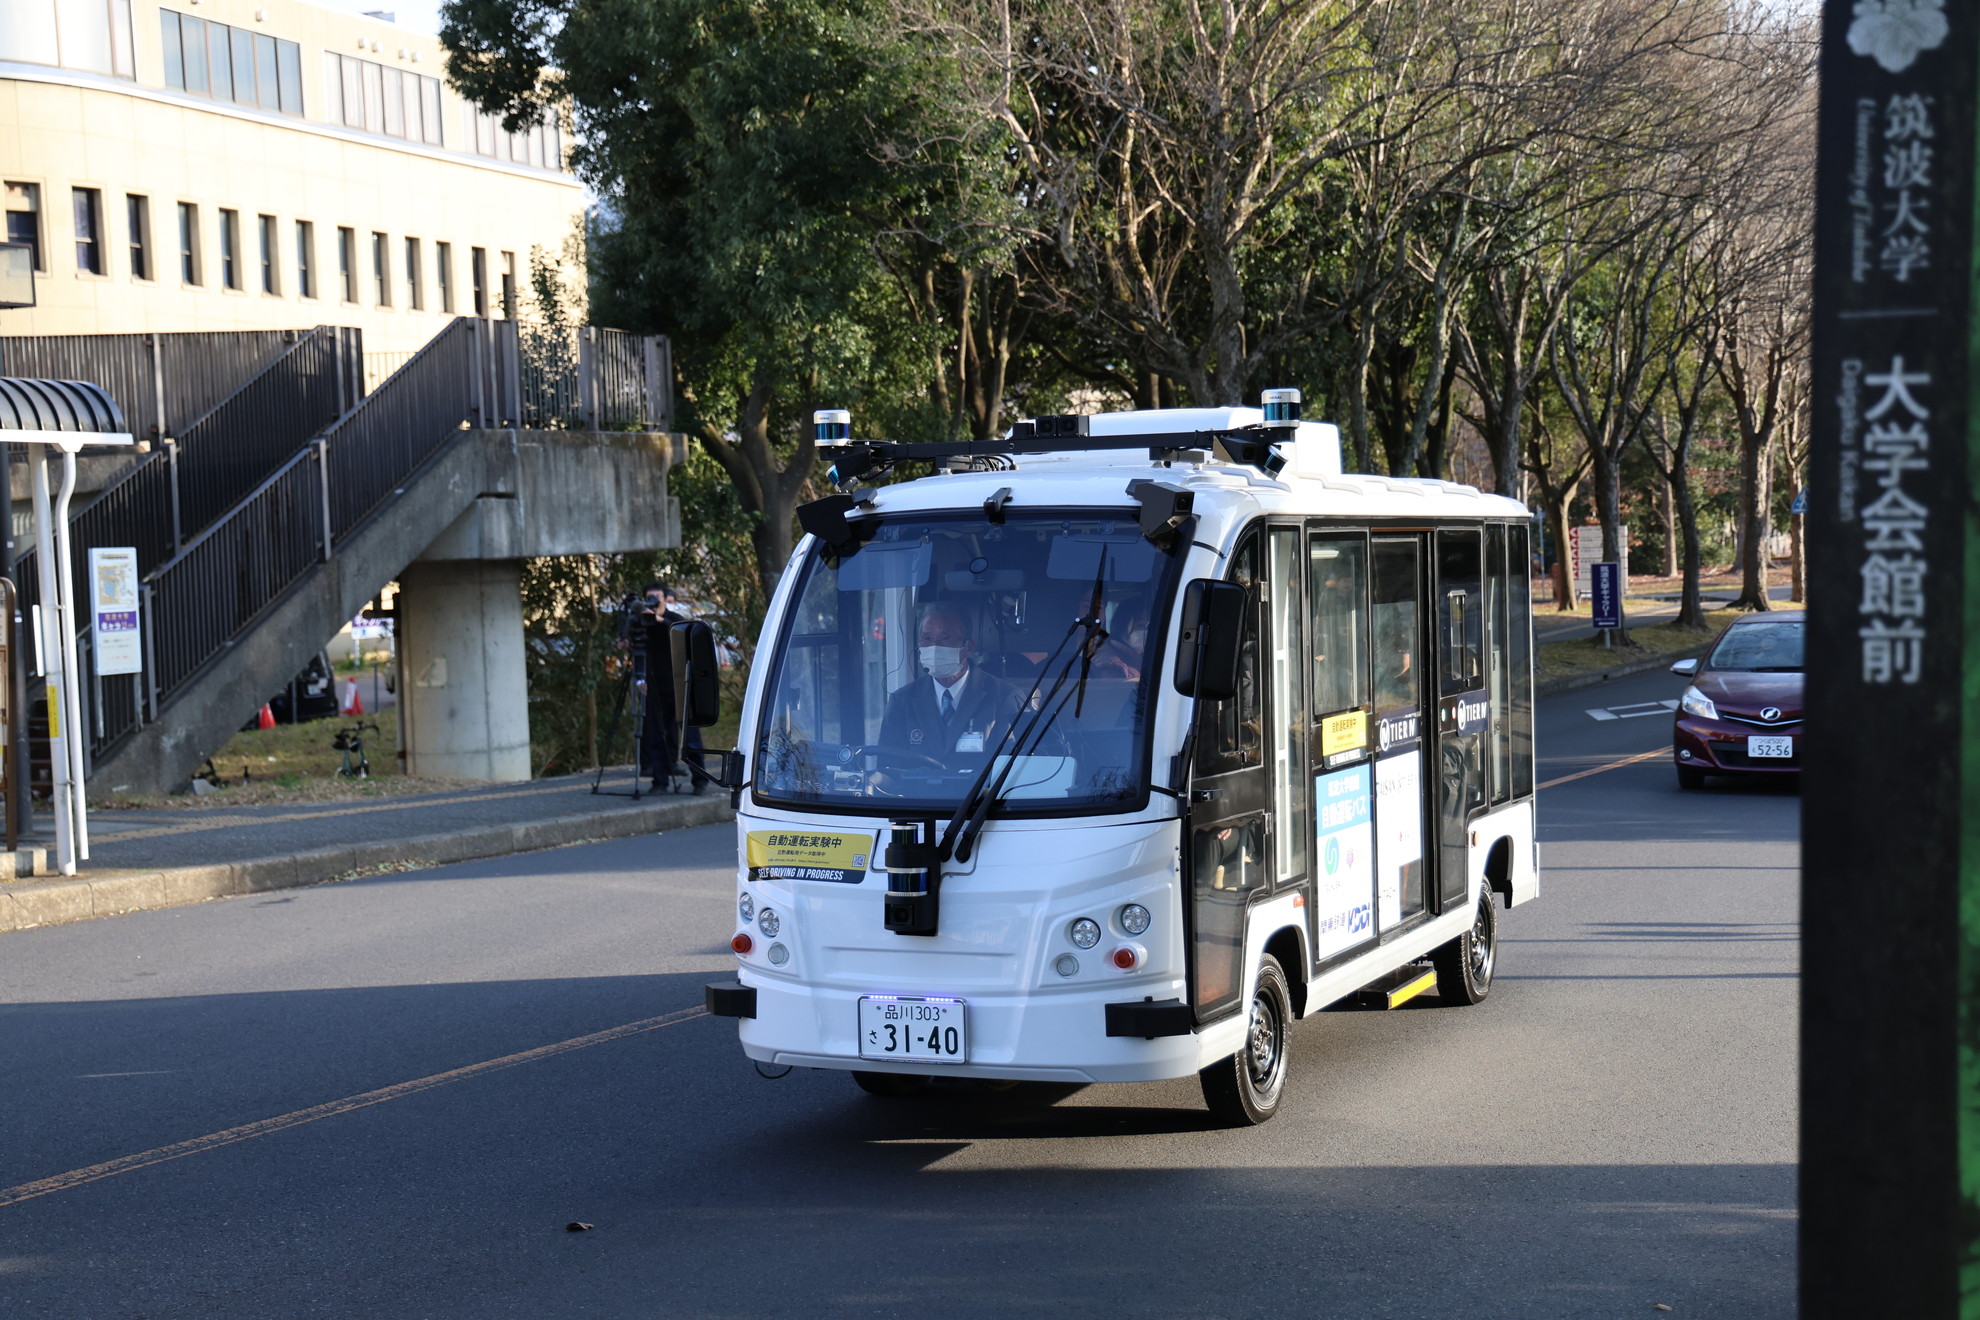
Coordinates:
column 1890, row 990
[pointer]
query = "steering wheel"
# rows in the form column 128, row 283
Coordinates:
column 896, row 754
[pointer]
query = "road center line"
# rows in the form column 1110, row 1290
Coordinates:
column 1650, row 755
column 61, row 1182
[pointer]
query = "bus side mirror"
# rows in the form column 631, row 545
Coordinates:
column 1207, row 646
column 697, row 676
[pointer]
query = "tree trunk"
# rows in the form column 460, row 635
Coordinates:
column 1691, row 604
column 1799, row 564
column 1557, row 532
column 1755, row 513
column 1671, row 560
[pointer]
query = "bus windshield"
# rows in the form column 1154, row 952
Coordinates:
column 904, row 661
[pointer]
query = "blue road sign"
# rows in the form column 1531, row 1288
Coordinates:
column 1605, row 589
column 1800, row 504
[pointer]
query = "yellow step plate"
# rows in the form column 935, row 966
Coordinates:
column 1413, row 987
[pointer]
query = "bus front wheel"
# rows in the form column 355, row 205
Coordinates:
column 1245, row 1089
column 1464, row 966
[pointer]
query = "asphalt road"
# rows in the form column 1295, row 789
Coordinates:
column 1612, row 1129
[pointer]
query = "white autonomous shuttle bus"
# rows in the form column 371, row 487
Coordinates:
column 1113, row 747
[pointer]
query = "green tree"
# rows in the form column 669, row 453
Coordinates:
column 750, row 156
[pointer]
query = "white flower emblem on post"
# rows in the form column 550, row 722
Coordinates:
column 1894, row 32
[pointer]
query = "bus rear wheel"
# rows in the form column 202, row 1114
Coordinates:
column 1464, row 966
column 892, row 1086
column 1245, row 1089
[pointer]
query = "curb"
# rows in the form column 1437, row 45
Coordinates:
column 1554, row 687
column 24, row 906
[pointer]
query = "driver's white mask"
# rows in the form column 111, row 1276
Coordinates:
column 944, row 662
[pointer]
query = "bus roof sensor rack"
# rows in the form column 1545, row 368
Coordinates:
column 1256, row 445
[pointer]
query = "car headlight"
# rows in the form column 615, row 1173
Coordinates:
column 1694, row 702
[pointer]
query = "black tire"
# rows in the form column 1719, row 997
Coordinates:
column 1690, row 777
column 1245, row 1089
column 892, row 1086
column 1465, row 965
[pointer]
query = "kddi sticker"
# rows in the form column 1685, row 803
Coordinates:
column 798, row 854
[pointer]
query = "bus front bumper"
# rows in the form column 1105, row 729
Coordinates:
column 1088, row 1036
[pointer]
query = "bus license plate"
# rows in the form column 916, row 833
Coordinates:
column 931, row 1030
column 1759, row 747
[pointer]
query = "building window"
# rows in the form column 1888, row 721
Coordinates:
column 381, row 269
column 89, row 230
column 365, row 94
column 478, row 270
column 347, row 262
column 189, row 243
column 24, row 219
column 443, row 268
column 94, row 35
column 230, row 248
column 305, row 259
column 137, row 211
column 509, row 285
column 415, row 299
column 271, row 265
column 230, row 63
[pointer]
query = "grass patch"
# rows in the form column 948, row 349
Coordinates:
column 1586, row 655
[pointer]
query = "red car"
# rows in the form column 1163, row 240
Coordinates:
column 1742, row 713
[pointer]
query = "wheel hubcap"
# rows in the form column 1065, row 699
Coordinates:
column 1263, row 1053
column 1481, row 944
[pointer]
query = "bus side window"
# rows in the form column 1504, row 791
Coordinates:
column 1519, row 657
column 1499, row 672
column 1232, row 729
column 1460, row 616
column 1338, row 569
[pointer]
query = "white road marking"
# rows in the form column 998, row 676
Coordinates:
column 1634, row 711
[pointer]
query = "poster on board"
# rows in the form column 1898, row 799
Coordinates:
column 1343, row 888
column 115, row 638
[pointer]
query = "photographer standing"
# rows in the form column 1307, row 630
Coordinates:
column 653, row 676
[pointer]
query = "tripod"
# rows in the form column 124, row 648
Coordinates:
column 628, row 695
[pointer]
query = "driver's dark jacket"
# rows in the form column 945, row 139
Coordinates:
column 914, row 720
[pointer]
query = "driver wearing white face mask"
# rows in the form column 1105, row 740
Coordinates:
column 953, row 706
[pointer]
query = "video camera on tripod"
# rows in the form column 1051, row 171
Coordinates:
column 691, row 678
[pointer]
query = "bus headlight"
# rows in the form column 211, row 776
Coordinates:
column 779, row 955
column 1134, row 919
column 1085, row 932
column 769, row 922
column 1694, row 702
column 747, row 907
column 1066, row 965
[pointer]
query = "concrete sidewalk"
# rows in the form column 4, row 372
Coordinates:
column 162, row 858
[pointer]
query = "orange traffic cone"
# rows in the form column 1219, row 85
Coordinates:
column 267, row 720
column 353, row 703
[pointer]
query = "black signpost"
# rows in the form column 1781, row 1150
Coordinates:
column 1890, row 1089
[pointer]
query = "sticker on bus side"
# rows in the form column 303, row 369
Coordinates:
column 1339, row 734
column 1343, row 887
column 801, row 854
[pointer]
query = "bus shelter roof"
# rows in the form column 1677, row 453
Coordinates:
column 68, row 413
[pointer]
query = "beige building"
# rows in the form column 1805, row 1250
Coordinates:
column 260, row 164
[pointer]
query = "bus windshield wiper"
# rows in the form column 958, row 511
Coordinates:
column 1021, row 736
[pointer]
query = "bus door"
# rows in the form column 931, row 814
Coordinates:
column 1401, row 734
column 1230, row 813
column 1344, row 865
column 1463, row 707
